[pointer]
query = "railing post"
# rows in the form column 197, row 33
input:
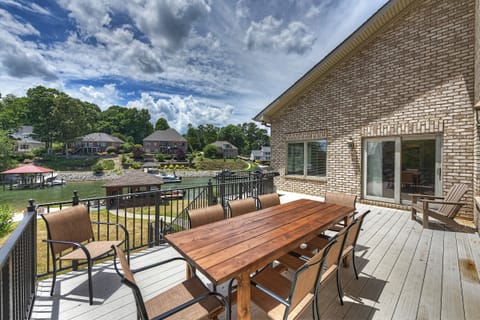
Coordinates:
column 210, row 192
column 75, row 200
column 31, row 205
column 157, row 218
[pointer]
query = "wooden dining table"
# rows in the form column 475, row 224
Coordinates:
column 236, row 247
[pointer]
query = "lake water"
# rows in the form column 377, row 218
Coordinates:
column 18, row 199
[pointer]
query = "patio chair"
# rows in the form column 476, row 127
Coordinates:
column 70, row 236
column 448, row 206
column 268, row 200
column 201, row 216
column 190, row 299
column 343, row 199
column 282, row 298
column 294, row 259
column 241, row 206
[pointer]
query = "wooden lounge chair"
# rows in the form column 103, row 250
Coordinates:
column 201, row 216
column 295, row 259
column 241, row 206
column 268, row 200
column 448, row 206
column 70, row 236
column 190, row 299
column 281, row 298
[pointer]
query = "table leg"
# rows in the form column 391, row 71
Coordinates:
column 243, row 296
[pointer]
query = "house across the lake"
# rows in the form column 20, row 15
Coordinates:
column 392, row 110
column 261, row 155
column 25, row 140
column 225, row 149
column 166, row 142
column 97, row 142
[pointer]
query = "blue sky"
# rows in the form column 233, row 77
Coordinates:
column 189, row 61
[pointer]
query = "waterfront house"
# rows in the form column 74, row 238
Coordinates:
column 225, row 149
column 96, row 142
column 261, row 155
column 25, row 140
column 166, row 142
column 392, row 110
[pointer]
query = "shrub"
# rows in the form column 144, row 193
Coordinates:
column 111, row 149
column 97, row 168
column 160, row 157
column 108, row 164
column 6, row 220
column 210, row 151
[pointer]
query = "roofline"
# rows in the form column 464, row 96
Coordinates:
column 358, row 38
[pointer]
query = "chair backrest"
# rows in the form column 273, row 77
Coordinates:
column 201, row 216
column 127, row 278
column 354, row 232
column 307, row 277
column 69, row 224
column 340, row 198
column 455, row 194
column 268, row 200
column 241, row 206
column 336, row 251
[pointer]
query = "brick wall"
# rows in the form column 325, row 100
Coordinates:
column 416, row 76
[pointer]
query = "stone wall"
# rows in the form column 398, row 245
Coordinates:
column 415, row 76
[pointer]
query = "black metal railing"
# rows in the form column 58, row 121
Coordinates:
column 18, row 273
column 147, row 216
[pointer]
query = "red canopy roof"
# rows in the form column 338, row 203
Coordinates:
column 28, row 168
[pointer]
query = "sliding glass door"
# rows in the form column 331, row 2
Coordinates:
column 396, row 167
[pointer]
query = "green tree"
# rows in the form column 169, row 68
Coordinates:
column 130, row 122
column 233, row 134
column 255, row 137
column 7, row 160
column 209, row 133
column 161, row 124
column 41, row 106
column 210, row 151
column 193, row 138
column 13, row 113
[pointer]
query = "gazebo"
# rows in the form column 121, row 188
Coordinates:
column 26, row 176
column 132, row 182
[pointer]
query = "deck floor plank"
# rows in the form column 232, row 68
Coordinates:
column 405, row 272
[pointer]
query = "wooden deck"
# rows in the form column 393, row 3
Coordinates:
column 406, row 272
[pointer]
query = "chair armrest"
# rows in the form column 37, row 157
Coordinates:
column 162, row 263
column 187, row 304
column 75, row 244
column 445, row 202
column 417, row 196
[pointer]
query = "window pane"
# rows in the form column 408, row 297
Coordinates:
column 317, row 158
column 295, row 158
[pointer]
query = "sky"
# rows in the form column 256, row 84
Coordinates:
column 189, row 61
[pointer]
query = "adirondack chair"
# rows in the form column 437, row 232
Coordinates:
column 447, row 209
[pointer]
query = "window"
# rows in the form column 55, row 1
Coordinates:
column 307, row 158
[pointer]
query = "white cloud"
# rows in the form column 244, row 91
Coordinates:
column 104, row 96
column 10, row 24
column 181, row 111
column 268, row 35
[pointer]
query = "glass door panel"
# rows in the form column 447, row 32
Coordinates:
column 380, row 169
column 418, row 167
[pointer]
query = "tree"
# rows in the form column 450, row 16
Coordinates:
column 210, row 151
column 41, row 105
column 193, row 138
column 209, row 133
column 255, row 137
column 161, row 124
column 12, row 112
column 234, row 135
column 130, row 122
column 7, row 160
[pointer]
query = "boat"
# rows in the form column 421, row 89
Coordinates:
column 169, row 178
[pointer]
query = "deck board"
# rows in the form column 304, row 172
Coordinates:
column 405, row 272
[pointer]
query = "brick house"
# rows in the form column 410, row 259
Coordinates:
column 96, row 142
column 390, row 111
column 225, row 149
column 166, row 142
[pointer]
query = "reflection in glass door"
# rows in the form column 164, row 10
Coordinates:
column 418, row 167
column 396, row 167
column 380, row 169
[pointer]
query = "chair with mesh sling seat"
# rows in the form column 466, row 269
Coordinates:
column 70, row 236
column 448, row 206
column 268, row 200
column 343, row 199
column 241, row 206
column 190, row 299
column 201, row 216
column 282, row 298
column 294, row 259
